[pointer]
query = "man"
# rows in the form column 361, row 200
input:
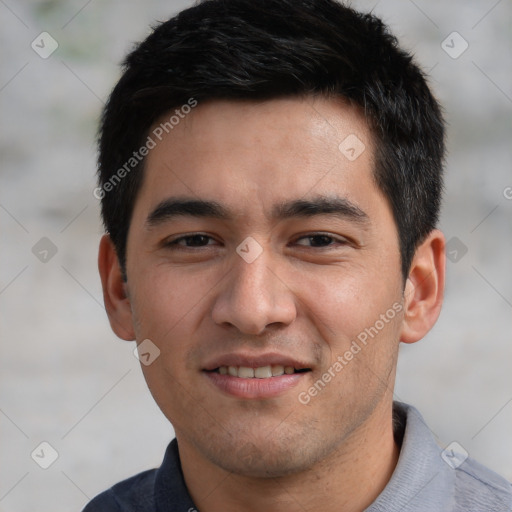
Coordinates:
column 270, row 175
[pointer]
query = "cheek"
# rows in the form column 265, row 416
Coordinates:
column 352, row 303
column 167, row 311
column 165, row 301
column 359, row 321
column 161, row 306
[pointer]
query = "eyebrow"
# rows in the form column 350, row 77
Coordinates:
column 337, row 206
column 170, row 208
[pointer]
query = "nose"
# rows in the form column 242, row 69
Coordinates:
column 253, row 297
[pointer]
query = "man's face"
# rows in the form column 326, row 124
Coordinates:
column 321, row 267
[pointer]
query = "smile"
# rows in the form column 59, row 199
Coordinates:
column 255, row 383
column 261, row 372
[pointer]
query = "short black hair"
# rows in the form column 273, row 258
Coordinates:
column 265, row 49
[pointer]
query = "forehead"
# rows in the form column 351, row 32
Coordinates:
column 251, row 155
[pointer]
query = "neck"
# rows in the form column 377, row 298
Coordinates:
column 349, row 479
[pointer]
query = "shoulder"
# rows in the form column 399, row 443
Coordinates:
column 147, row 491
column 135, row 494
column 478, row 488
column 430, row 478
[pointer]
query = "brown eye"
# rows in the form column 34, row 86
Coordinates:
column 197, row 240
column 319, row 240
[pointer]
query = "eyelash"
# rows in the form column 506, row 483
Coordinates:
column 335, row 240
column 174, row 244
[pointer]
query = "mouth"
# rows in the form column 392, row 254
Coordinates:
column 260, row 372
column 251, row 377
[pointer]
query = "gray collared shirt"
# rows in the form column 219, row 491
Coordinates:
column 426, row 479
column 430, row 479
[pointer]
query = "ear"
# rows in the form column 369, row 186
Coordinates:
column 117, row 303
column 424, row 289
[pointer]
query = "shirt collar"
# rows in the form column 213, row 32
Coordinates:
column 421, row 480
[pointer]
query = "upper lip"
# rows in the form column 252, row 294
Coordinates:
column 255, row 361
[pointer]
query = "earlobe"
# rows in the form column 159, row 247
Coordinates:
column 423, row 295
column 117, row 304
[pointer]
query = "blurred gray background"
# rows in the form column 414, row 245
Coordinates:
column 65, row 378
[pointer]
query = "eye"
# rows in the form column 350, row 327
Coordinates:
column 195, row 240
column 319, row 240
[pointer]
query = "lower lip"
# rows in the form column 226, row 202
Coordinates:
column 254, row 388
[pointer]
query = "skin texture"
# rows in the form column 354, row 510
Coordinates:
column 306, row 298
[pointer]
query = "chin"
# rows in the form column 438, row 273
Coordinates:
column 272, row 456
column 253, row 465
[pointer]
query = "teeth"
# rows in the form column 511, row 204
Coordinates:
column 246, row 373
column 262, row 372
column 277, row 370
